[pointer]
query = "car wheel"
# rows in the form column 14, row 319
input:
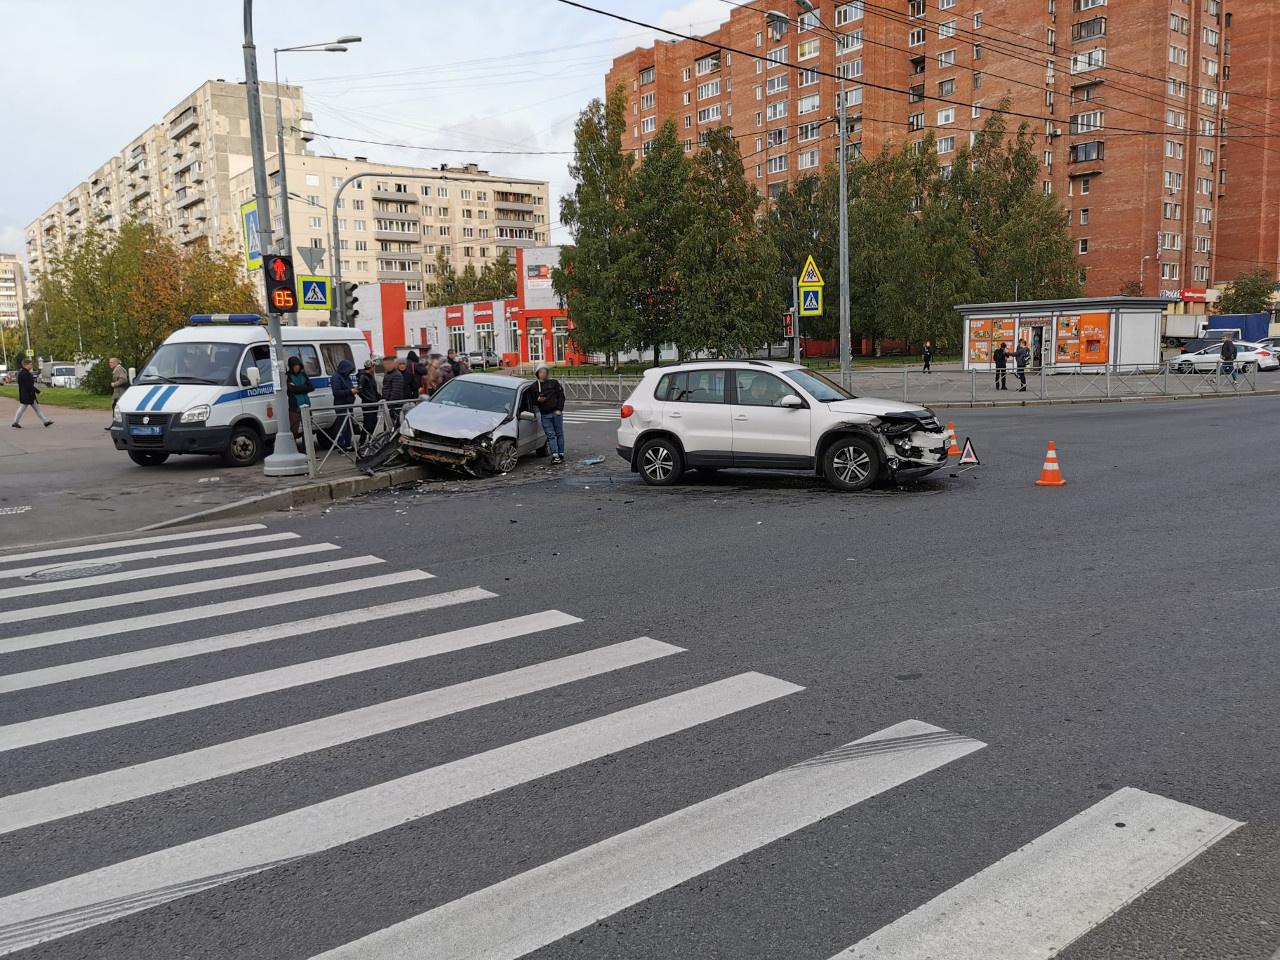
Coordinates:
column 504, row 457
column 1186, row 368
column 660, row 463
column 851, row 463
column 1250, row 367
column 145, row 458
column 245, row 448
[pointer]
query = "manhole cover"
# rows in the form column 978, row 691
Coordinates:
column 72, row 571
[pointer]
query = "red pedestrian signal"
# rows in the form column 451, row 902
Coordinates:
column 282, row 294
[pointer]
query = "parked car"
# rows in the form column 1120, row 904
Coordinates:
column 1207, row 359
column 480, row 423
column 483, row 359
column 772, row 415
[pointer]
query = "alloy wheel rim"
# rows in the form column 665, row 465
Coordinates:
column 507, row 459
column 852, row 464
column 657, row 463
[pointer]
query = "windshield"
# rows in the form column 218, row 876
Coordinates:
column 192, row 363
column 64, row 371
column 476, row 395
column 817, row 386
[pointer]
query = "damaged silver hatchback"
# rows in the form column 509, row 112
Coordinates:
column 480, row 423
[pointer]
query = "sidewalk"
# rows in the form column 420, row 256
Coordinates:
column 69, row 481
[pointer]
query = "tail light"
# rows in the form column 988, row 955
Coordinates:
column 1264, row 353
column 627, row 410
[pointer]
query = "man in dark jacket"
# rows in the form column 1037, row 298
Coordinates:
column 1229, row 355
column 392, row 387
column 27, row 393
column 412, row 373
column 1001, row 357
column 926, row 355
column 1021, row 356
column 343, row 400
column 367, row 390
column 549, row 397
column 455, row 366
column 299, row 388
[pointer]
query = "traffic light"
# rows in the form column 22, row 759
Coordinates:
column 788, row 325
column 347, row 304
column 282, row 289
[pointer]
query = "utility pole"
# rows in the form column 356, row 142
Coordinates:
column 285, row 460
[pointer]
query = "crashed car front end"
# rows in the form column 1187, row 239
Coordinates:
column 428, row 447
column 453, row 436
column 912, row 443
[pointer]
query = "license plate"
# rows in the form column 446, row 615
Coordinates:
column 145, row 431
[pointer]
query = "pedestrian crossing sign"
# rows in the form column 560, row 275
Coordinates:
column 314, row 293
column 809, row 276
column 811, row 302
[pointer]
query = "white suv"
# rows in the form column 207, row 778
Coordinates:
column 772, row 415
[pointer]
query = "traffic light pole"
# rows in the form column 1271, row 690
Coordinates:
column 285, row 460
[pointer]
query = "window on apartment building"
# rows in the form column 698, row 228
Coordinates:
column 335, row 182
column 1085, row 184
column 848, row 12
column 444, row 231
column 808, row 49
column 946, row 116
column 977, row 109
column 1084, row 216
column 1210, row 37
column 759, row 119
column 776, row 111
column 1201, row 273
column 1172, row 211
column 1177, row 88
column 707, row 114
column 946, row 29
column 1204, row 185
column 1175, row 119
column 360, row 225
column 915, row 94
column 852, row 98
column 1177, row 54
column 777, row 84
column 1081, row 152
column 977, row 51
column 759, row 170
column 946, row 4
column 946, row 144
column 1203, row 245
column 315, row 223
column 850, row 41
column 341, row 203
column 946, row 88
column 707, row 64
column 313, row 180
column 709, row 89
column 1081, row 5
column 808, row 131
column 443, row 192
column 647, row 100
column 915, row 9
column 775, row 138
column 916, row 37
column 1209, row 96
column 648, row 124
column 776, row 57
column 977, row 20
column 362, row 245
column 342, row 244
column 808, row 104
column 808, row 159
column 977, row 80
column 1088, row 60
column 1048, row 158
column 688, row 74
column 915, row 121
column 947, row 58
column 1089, row 29
column 1084, row 245
column 1086, row 122
column 1173, row 149
column 850, row 70
column 778, row 164
column 1172, row 180
column 804, row 78
column 646, row 75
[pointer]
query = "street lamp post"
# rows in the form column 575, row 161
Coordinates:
column 337, row 46
column 846, row 343
column 1142, row 274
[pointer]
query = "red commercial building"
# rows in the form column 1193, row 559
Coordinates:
column 1161, row 171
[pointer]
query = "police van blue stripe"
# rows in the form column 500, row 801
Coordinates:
column 148, row 398
column 265, row 390
column 164, row 398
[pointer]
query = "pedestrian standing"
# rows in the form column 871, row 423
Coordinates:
column 412, row 374
column 1020, row 357
column 927, row 356
column 1001, row 357
column 27, row 393
column 367, row 390
column 119, row 384
column 392, row 388
column 444, row 371
column 1229, row 355
column 549, row 397
column 344, row 399
column 298, row 385
column 455, row 367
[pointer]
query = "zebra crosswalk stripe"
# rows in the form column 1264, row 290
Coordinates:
column 115, row 545
column 72, row 797
column 92, row 719
column 1037, row 900
column 538, row 907
column 150, row 621
column 228, row 641
column 76, row 903
column 185, row 548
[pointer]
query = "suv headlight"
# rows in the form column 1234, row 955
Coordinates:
column 196, row 414
column 405, row 429
column 116, row 415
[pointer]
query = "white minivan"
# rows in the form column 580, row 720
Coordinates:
column 210, row 388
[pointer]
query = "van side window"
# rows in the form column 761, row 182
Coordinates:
column 335, row 353
column 696, row 386
column 259, row 358
column 307, row 354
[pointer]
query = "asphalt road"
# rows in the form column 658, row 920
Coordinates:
column 1102, row 657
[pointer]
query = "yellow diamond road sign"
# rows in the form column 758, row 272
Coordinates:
column 810, row 277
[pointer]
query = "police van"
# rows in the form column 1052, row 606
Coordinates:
column 211, row 388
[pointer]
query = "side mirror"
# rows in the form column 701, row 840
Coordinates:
column 791, row 401
column 251, row 377
column 527, row 415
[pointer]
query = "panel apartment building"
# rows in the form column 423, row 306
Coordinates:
column 12, row 292
column 190, row 174
column 1128, row 101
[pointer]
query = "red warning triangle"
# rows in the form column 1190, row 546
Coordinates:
column 969, row 456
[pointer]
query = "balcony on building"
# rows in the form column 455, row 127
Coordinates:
column 139, row 188
column 137, row 156
column 415, row 273
column 397, row 235
column 395, row 196
column 184, row 122
column 514, row 242
column 188, row 196
column 70, row 207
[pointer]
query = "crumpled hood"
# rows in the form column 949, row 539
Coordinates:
column 875, row 407
column 461, row 423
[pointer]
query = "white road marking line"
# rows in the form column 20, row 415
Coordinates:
column 228, row 608
column 156, row 554
column 243, row 638
column 538, row 907
column 124, row 544
column 72, row 797
column 1037, row 900
column 92, row 719
column 84, row 901
column 12, row 511
column 173, row 591
column 167, row 570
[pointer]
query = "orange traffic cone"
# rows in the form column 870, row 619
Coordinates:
column 953, row 450
column 1050, row 475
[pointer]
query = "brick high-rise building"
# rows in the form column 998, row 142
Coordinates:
column 1128, row 103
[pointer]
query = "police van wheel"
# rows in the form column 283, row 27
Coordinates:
column 245, row 448
column 144, row 458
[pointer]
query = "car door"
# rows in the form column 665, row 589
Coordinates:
column 530, row 434
column 694, row 409
column 766, row 434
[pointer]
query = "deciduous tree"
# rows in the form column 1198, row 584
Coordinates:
column 1249, row 292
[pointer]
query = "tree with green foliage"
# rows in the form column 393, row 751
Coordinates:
column 726, row 265
column 1249, row 292
column 591, row 277
column 801, row 222
column 658, row 215
column 120, row 294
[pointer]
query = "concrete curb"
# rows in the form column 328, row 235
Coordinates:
column 1065, row 401
column 322, row 491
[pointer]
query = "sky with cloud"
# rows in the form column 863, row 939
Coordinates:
column 81, row 78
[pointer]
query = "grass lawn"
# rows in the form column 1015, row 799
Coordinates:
column 64, row 397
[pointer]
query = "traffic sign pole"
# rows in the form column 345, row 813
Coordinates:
column 795, row 313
